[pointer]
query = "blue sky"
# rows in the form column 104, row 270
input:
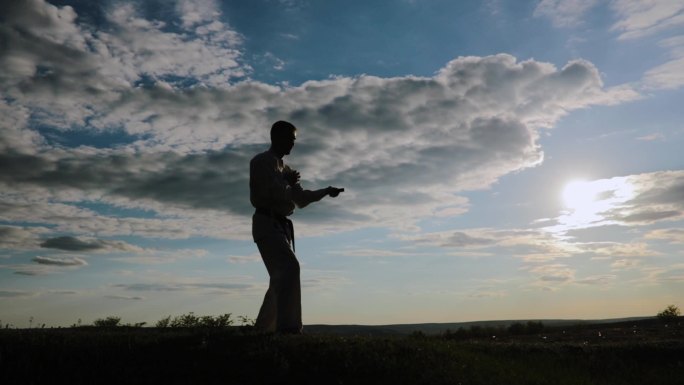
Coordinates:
column 502, row 160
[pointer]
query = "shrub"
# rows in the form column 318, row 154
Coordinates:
column 163, row 323
column 108, row 322
column 246, row 321
column 190, row 320
column 670, row 313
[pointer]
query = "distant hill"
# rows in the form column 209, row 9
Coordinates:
column 437, row 328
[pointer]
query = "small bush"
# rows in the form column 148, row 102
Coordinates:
column 190, row 320
column 163, row 323
column 246, row 321
column 108, row 322
column 670, row 313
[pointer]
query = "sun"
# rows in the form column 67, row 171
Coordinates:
column 579, row 195
column 590, row 203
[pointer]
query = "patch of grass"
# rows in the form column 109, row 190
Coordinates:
column 236, row 355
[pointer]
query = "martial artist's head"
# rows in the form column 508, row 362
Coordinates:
column 283, row 136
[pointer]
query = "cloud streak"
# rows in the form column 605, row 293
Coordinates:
column 68, row 243
column 59, row 261
column 636, row 19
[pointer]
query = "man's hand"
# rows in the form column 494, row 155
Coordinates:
column 334, row 191
column 292, row 177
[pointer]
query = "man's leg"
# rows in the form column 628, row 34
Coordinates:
column 282, row 303
column 266, row 320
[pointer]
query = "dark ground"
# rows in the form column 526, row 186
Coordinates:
column 639, row 352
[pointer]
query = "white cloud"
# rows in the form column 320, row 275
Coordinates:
column 194, row 12
column 244, row 258
column 669, row 75
column 564, row 13
column 64, row 70
column 674, row 235
column 634, row 200
column 403, row 147
column 20, row 238
column 639, row 18
column 616, row 249
column 636, row 19
column 142, row 47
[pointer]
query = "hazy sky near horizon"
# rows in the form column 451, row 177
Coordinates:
column 501, row 159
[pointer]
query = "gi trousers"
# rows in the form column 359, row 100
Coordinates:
column 281, row 310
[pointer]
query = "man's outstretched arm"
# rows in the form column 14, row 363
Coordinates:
column 304, row 197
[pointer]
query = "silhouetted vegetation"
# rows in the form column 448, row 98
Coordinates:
column 190, row 320
column 478, row 331
column 108, row 322
column 630, row 352
column 669, row 314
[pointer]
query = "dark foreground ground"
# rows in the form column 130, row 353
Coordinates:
column 646, row 352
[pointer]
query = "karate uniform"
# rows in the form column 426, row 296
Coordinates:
column 275, row 199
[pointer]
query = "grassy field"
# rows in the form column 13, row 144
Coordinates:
column 643, row 353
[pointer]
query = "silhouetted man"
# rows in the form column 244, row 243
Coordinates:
column 274, row 191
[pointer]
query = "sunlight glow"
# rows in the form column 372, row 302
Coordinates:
column 578, row 195
column 587, row 203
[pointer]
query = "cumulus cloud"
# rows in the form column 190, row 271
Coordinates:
column 403, row 147
column 475, row 121
column 19, row 238
column 63, row 70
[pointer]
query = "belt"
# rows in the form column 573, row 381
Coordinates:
column 285, row 221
